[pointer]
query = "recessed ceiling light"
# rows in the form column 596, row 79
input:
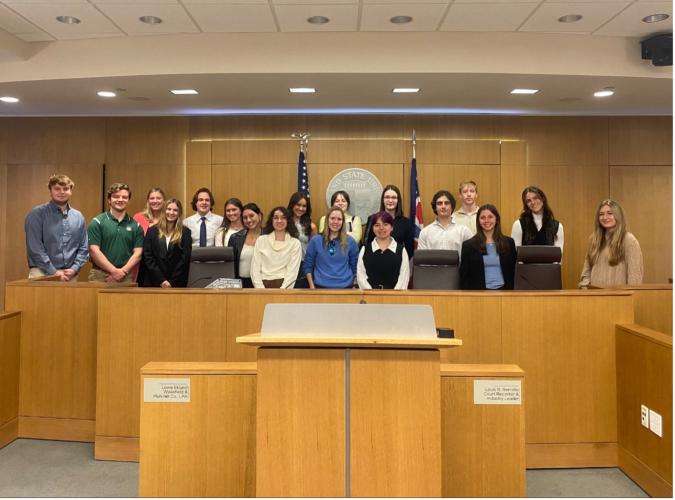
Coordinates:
column 184, row 92
column 68, row 19
column 302, row 90
column 9, row 99
column 406, row 90
column 570, row 18
column 655, row 18
column 318, row 20
column 106, row 93
column 150, row 19
column 606, row 92
column 525, row 91
column 400, row 19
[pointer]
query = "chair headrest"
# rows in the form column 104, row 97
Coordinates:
column 436, row 258
column 211, row 254
column 539, row 254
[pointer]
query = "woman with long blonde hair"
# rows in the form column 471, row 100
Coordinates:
column 167, row 248
column 154, row 207
column 614, row 256
column 331, row 258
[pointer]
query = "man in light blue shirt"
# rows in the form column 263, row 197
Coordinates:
column 56, row 234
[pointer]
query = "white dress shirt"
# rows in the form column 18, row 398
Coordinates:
column 435, row 236
column 194, row 222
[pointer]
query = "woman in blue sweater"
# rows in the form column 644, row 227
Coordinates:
column 330, row 261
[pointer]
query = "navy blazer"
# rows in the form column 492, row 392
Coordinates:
column 472, row 269
column 160, row 263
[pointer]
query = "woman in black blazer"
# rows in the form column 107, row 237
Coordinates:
column 392, row 203
column 243, row 243
column 489, row 258
column 166, row 249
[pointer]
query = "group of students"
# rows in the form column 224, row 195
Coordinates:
column 154, row 246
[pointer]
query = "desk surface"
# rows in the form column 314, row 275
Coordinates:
column 257, row 340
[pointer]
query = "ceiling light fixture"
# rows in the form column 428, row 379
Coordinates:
column 318, row 20
column 150, row 19
column 184, row 92
column 302, row 90
column 405, row 90
column 655, row 18
column 400, row 19
column 105, row 93
column 68, row 19
column 524, row 91
column 570, row 18
column 9, row 99
column 606, row 92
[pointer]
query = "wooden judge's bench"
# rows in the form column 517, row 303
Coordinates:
column 71, row 357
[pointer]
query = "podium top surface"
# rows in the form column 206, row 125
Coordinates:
column 256, row 340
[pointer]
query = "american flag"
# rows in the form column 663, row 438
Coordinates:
column 415, row 201
column 303, row 178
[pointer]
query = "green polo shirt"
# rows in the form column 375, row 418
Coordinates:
column 116, row 239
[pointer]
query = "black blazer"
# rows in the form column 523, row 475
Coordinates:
column 472, row 269
column 403, row 233
column 236, row 241
column 160, row 263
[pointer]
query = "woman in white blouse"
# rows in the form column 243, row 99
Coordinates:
column 277, row 253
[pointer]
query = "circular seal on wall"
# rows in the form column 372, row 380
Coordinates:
column 364, row 191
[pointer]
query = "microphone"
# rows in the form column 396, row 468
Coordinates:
column 292, row 283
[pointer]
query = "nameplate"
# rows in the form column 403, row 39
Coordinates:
column 166, row 390
column 496, row 392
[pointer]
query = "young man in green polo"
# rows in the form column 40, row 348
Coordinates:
column 115, row 239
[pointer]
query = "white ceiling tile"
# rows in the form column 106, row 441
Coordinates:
column 174, row 18
column 629, row 22
column 132, row 2
column 223, row 2
column 223, row 18
column 75, row 36
column 14, row 23
column 426, row 17
column 487, row 17
column 545, row 19
column 496, row 1
column 314, row 2
column 59, row 2
column 294, row 17
column 44, row 16
column 445, row 2
column 35, row 37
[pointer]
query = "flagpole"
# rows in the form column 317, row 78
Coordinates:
column 303, row 178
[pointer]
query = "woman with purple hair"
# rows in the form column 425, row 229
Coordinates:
column 383, row 263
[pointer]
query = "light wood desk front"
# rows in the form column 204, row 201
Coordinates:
column 564, row 341
column 10, row 327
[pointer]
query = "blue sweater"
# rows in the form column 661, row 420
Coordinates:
column 331, row 271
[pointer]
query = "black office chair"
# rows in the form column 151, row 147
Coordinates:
column 436, row 270
column 207, row 264
column 538, row 268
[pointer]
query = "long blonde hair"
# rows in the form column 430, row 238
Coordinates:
column 342, row 236
column 602, row 238
column 147, row 213
column 163, row 224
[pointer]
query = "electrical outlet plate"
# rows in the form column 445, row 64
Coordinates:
column 644, row 416
column 655, row 423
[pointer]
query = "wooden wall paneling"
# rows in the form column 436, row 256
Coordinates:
column 198, row 153
column 4, row 253
column 10, row 329
column 483, row 445
column 146, row 141
column 206, row 447
column 654, row 309
column 565, row 186
column 300, row 407
column 645, row 194
column 371, row 127
column 357, row 151
column 246, row 127
column 512, row 181
column 395, row 423
column 33, row 182
column 570, row 365
column 143, row 177
column 475, row 318
column 187, row 327
column 455, row 127
column 197, row 177
column 56, row 141
column 267, row 185
column 58, row 354
column 644, row 371
column 457, row 152
column 434, row 177
column 641, row 140
column 238, row 152
column 565, row 140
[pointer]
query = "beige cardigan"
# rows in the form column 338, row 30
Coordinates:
column 627, row 272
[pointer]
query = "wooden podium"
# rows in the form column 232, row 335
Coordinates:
column 341, row 414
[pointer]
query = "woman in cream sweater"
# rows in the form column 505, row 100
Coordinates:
column 277, row 253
